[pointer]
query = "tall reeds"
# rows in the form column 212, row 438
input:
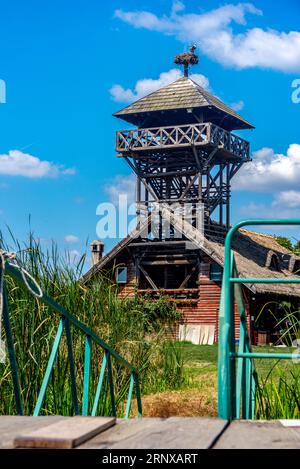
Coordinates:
column 135, row 327
column 278, row 391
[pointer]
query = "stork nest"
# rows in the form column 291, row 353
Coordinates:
column 187, row 58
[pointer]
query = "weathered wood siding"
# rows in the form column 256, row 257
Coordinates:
column 206, row 310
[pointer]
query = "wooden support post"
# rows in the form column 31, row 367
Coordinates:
column 165, row 276
column 138, row 200
column 199, row 187
column 208, row 194
column 228, row 195
column 221, row 194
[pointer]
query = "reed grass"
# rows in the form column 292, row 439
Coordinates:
column 136, row 328
column 278, row 391
column 278, row 395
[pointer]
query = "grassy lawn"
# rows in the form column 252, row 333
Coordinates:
column 202, row 358
column 198, row 397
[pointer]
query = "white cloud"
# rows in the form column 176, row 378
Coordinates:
column 17, row 163
column 238, row 106
column 289, row 199
column 121, row 185
column 148, row 85
column 270, row 171
column 264, row 210
column 214, row 33
column 71, row 239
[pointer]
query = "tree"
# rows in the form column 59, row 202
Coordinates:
column 285, row 242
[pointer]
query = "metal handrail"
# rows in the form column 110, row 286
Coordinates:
column 236, row 374
column 90, row 337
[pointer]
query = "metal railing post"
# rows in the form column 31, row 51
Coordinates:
column 86, row 375
column 230, row 387
column 49, row 368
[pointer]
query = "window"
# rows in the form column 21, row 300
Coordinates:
column 296, row 269
column 121, row 275
column 216, row 272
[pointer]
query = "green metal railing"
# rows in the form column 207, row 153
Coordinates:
column 236, row 373
column 66, row 320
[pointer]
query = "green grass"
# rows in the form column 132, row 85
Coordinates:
column 202, row 358
column 278, row 393
column 199, row 359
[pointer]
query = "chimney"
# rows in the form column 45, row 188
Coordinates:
column 97, row 248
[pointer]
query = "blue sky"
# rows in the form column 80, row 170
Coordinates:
column 60, row 61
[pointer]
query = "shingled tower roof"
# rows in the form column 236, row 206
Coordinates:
column 182, row 100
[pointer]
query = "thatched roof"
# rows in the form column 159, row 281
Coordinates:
column 183, row 93
column 254, row 254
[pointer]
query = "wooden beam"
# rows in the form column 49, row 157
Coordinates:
column 187, row 278
column 190, row 172
column 171, row 290
column 150, row 190
column 159, row 243
column 148, row 278
column 168, row 262
column 192, row 181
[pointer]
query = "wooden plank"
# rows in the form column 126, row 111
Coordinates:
column 65, row 434
column 156, row 433
column 259, row 435
column 10, row 425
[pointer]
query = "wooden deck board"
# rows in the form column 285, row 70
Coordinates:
column 260, row 435
column 154, row 433
column 65, row 434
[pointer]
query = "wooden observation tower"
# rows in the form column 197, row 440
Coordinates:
column 184, row 154
column 183, row 150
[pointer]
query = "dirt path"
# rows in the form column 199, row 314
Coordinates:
column 198, row 400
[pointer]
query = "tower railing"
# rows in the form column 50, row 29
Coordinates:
column 92, row 340
column 237, row 377
column 198, row 134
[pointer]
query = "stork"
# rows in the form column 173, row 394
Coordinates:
column 186, row 59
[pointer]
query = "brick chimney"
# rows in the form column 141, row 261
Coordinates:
column 97, row 248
